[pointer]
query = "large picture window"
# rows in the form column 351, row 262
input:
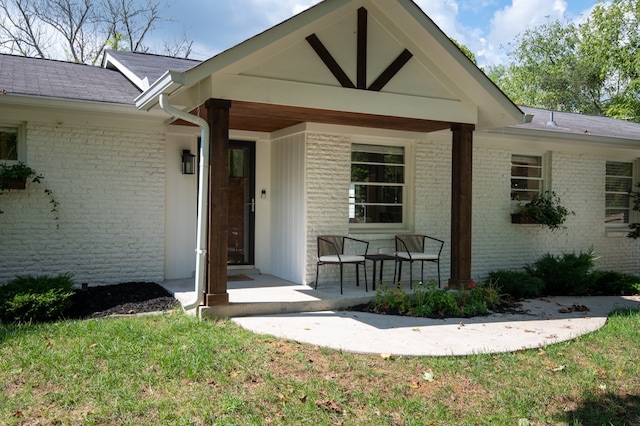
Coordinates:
column 8, row 144
column 377, row 193
column 619, row 182
column 526, row 177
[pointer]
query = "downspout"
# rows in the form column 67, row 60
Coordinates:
column 203, row 192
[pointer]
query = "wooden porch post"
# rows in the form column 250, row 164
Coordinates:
column 218, row 119
column 461, row 204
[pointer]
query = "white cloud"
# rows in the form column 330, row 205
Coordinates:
column 514, row 19
column 443, row 13
column 277, row 11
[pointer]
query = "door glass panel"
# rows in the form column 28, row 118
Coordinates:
column 241, row 203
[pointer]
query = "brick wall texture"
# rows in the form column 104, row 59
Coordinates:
column 577, row 178
column 109, row 182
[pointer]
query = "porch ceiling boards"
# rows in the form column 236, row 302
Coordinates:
column 268, row 118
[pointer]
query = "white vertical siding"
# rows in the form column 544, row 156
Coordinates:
column 181, row 209
column 288, row 207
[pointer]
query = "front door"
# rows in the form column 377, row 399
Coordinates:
column 242, row 202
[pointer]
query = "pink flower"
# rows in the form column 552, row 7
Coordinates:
column 472, row 284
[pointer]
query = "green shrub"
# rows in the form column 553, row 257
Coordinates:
column 36, row 299
column 390, row 299
column 567, row 274
column 613, row 283
column 517, row 284
column 428, row 300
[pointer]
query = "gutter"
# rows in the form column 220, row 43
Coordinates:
column 203, row 192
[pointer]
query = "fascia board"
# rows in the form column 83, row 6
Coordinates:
column 168, row 83
column 23, row 108
column 550, row 136
column 172, row 81
column 142, row 84
column 255, row 89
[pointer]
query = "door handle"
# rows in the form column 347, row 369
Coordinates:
column 252, row 204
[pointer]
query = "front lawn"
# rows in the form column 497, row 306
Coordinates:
column 175, row 369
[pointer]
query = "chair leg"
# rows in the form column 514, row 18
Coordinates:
column 317, row 271
column 422, row 272
column 341, row 278
column 364, row 267
column 438, row 273
column 410, row 275
column 357, row 276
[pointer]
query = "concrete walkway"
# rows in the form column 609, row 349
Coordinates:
column 546, row 321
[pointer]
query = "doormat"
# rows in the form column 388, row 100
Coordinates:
column 239, row 277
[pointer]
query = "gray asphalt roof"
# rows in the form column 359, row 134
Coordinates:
column 148, row 65
column 66, row 80
column 58, row 79
column 579, row 124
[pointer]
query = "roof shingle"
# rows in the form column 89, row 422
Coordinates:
column 20, row 75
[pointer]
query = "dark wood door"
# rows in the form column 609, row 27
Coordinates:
column 242, row 160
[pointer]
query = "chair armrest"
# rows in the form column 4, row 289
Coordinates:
column 365, row 243
column 437, row 240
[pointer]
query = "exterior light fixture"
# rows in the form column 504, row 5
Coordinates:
column 188, row 162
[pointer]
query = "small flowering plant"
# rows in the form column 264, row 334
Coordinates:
column 428, row 300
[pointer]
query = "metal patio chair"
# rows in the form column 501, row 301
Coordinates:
column 331, row 251
column 411, row 248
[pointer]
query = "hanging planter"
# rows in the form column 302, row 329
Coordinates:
column 10, row 183
column 15, row 176
column 544, row 209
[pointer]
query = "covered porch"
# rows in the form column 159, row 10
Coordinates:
column 358, row 65
column 253, row 293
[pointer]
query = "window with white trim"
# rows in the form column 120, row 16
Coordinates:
column 377, row 192
column 619, row 183
column 526, row 177
column 8, row 143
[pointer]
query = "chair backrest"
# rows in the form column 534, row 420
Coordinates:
column 330, row 245
column 411, row 242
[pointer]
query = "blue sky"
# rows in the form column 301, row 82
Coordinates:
column 485, row 26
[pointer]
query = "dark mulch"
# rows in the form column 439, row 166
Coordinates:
column 121, row 299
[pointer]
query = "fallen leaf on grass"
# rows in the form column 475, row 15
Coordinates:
column 414, row 385
column 386, row 356
column 559, row 368
column 428, row 376
column 329, row 405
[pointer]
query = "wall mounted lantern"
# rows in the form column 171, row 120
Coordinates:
column 188, row 162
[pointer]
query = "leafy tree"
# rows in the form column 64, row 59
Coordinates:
column 83, row 28
column 611, row 38
column 592, row 68
column 469, row 54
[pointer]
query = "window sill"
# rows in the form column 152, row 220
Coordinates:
column 617, row 232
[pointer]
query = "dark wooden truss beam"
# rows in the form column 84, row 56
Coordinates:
column 361, row 59
column 330, row 62
column 391, row 71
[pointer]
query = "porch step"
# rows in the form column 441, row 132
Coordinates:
column 274, row 308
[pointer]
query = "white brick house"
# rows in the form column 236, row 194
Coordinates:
column 112, row 156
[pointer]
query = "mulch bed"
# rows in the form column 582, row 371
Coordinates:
column 121, row 299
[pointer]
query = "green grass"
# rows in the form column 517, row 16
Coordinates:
column 175, row 369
